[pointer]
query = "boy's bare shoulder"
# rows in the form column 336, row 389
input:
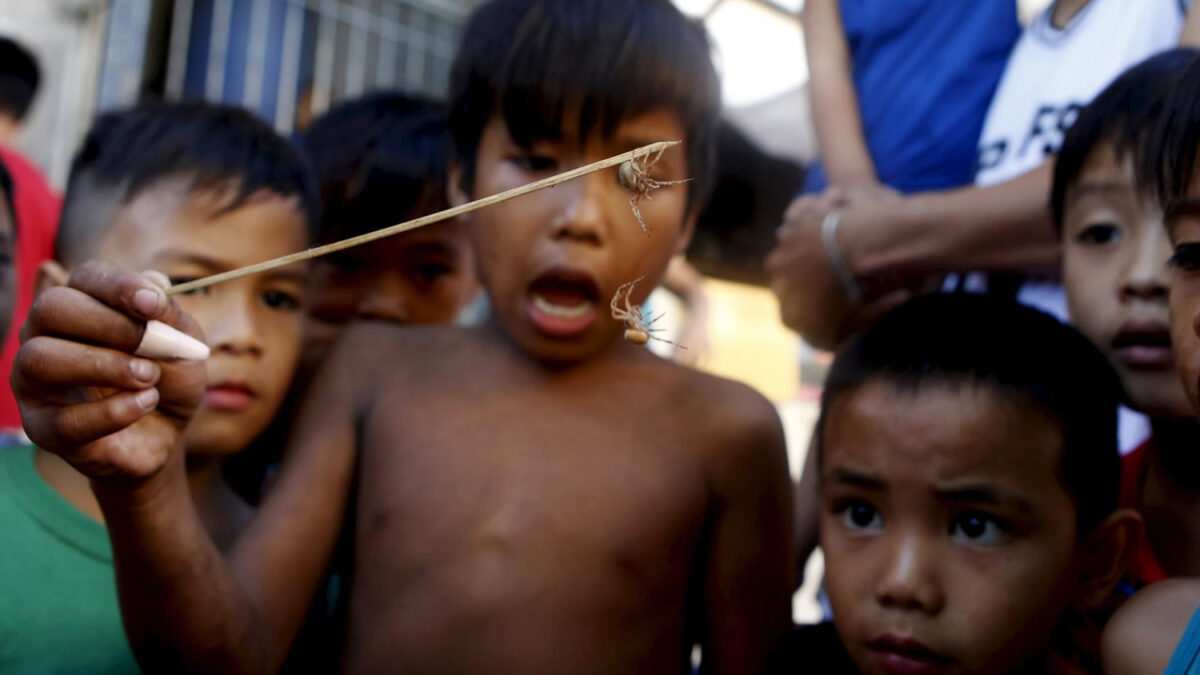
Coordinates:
column 1142, row 635
column 729, row 412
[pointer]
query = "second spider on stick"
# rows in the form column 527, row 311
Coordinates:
column 638, row 328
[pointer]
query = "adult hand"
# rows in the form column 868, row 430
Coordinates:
column 811, row 299
column 84, row 395
column 859, row 193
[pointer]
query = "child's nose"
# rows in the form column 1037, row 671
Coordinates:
column 232, row 329
column 385, row 300
column 1146, row 277
column 909, row 580
column 581, row 218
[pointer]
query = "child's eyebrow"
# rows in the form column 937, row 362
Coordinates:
column 848, row 477
column 984, row 494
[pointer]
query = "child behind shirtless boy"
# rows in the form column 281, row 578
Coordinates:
column 968, row 463
column 164, row 187
column 1116, row 276
column 1158, row 630
column 534, row 495
column 381, row 160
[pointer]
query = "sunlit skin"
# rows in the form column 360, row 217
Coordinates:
column 582, row 232
column 423, row 276
column 253, row 324
column 950, row 543
column 1115, row 253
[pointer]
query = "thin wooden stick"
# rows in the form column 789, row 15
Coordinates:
column 422, row 221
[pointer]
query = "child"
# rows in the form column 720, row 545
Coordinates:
column 1158, row 629
column 969, row 469
column 381, row 160
column 1115, row 253
column 164, row 187
column 531, row 495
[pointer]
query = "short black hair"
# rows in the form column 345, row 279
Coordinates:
column 1022, row 354
column 216, row 147
column 1124, row 115
column 605, row 61
column 19, row 78
column 380, row 160
column 1171, row 153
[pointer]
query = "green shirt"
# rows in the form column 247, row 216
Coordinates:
column 58, row 595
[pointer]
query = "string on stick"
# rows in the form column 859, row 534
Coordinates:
column 454, row 212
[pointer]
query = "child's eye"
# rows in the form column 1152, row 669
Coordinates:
column 175, row 281
column 428, row 273
column 535, row 163
column 861, row 516
column 1186, row 257
column 280, row 300
column 976, row 528
column 1100, row 233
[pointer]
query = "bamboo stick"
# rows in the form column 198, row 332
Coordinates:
column 336, row 246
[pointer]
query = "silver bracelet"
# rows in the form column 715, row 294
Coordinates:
column 834, row 255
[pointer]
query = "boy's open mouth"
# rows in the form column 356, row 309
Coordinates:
column 563, row 303
column 1144, row 346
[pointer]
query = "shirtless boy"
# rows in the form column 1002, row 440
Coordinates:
column 531, row 496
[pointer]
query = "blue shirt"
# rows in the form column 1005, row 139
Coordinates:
column 925, row 71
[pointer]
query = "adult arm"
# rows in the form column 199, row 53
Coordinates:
column 892, row 246
column 186, row 608
column 748, row 584
column 1190, row 36
column 843, row 149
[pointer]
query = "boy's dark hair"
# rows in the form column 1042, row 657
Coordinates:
column 380, row 160
column 600, row 62
column 19, row 78
column 217, row 148
column 1022, row 354
column 1124, row 116
column 1169, row 158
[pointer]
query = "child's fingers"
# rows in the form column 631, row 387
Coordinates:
column 72, row 314
column 53, row 363
column 131, row 293
column 66, row 428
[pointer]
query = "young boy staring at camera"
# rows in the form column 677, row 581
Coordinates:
column 969, row 475
column 1117, row 272
column 533, row 495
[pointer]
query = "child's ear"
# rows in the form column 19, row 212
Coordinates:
column 1104, row 556
column 685, row 234
column 454, row 186
column 49, row 273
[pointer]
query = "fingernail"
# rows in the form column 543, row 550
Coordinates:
column 146, row 399
column 161, row 341
column 142, row 370
column 157, row 278
column 146, row 301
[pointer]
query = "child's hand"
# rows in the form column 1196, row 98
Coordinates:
column 82, row 392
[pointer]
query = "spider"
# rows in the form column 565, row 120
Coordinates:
column 637, row 327
column 634, row 175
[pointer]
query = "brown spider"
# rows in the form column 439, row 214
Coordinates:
column 634, row 175
column 637, row 327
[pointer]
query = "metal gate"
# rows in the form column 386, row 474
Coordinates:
column 291, row 59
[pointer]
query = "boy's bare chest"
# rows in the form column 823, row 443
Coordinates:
column 471, row 485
